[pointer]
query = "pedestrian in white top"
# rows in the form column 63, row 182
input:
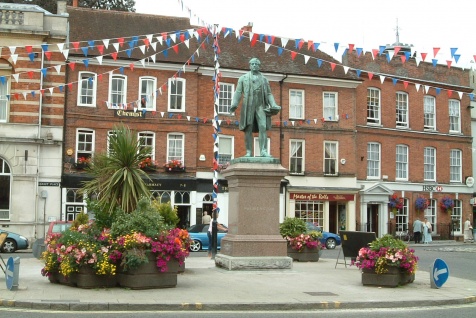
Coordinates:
column 468, row 231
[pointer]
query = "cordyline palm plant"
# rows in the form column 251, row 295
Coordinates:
column 117, row 178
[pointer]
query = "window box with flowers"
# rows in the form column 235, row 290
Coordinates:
column 395, row 203
column 387, row 262
column 174, row 166
column 82, row 163
column 303, row 245
column 447, row 204
column 148, row 164
column 421, row 204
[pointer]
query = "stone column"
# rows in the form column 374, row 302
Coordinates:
column 253, row 240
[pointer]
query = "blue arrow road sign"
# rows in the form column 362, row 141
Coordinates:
column 11, row 273
column 439, row 273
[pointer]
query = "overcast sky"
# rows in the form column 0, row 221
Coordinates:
column 365, row 23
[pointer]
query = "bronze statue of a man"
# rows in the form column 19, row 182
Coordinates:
column 258, row 107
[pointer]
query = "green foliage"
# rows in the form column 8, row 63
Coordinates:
column 168, row 213
column 81, row 218
column 117, row 178
column 51, row 5
column 103, row 219
column 146, row 219
column 387, row 241
column 292, row 227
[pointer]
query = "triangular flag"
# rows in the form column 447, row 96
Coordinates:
column 435, row 51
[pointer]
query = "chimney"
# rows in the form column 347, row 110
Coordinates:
column 75, row 3
column 61, row 7
column 248, row 27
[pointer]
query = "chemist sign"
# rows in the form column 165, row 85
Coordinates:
column 439, row 273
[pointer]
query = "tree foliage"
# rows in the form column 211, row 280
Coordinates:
column 51, row 5
column 117, row 179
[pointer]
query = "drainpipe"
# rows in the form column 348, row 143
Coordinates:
column 38, row 147
column 281, row 117
column 281, row 138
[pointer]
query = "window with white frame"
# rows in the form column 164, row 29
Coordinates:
column 87, row 89
column 373, row 106
column 373, row 160
column 430, row 213
column 225, row 98
column 455, row 165
column 4, row 101
column 310, row 211
column 84, row 143
column 256, row 150
column 401, row 161
column 457, row 217
column 455, row 115
column 147, row 140
column 5, row 189
column 429, row 112
column 401, row 219
column 110, row 134
column 176, row 94
column 296, row 157
column 175, row 147
column 402, row 110
column 147, row 88
column 117, row 91
column 330, row 106
column 429, row 164
column 296, row 103
column 330, row 157
column 225, row 149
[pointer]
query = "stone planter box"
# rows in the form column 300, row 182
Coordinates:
column 393, row 278
column 148, row 276
column 57, row 278
column 307, row 255
column 87, row 278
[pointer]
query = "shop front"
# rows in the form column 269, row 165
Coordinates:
column 334, row 212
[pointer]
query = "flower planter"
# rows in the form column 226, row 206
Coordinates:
column 87, row 278
column 148, row 275
column 175, row 169
column 306, row 255
column 58, row 278
column 392, row 278
column 81, row 166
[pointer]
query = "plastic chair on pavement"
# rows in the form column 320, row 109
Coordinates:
column 3, row 237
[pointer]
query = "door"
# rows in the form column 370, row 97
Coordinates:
column 372, row 218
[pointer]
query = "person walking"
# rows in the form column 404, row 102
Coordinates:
column 417, row 229
column 468, row 231
column 258, row 107
column 206, row 219
column 427, row 229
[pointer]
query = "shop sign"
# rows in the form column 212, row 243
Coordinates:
column 321, row 197
column 129, row 113
column 48, row 184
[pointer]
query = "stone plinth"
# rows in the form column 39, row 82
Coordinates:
column 253, row 240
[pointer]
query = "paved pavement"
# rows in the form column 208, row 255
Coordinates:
column 205, row 287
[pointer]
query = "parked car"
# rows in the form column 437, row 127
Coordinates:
column 198, row 234
column 57, row 227
column 14, row 242
column 330, row 240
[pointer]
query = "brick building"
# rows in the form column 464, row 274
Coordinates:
column 413, row 139
column 309, row 140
